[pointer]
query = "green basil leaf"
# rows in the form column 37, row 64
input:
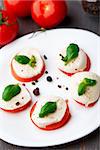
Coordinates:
column 81, row 88
column 48, row 108
column 89, row 82
column 1, row 18
column 10, row 91
column 71, row 53
column 84, row 84
column 65, row 58
column 32, row 62
column 22, row 59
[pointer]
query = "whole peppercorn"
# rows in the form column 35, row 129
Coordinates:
column 49, row 79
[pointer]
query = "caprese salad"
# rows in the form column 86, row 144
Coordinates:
column 27, row 66
column 50, row 113
column 73, row 59
column 15, row 98
column 85, row 88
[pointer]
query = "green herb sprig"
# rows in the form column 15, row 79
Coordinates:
column 71, row 53
column 11, row 91
column 25, row 60
column 48, row 108
column 84, row 84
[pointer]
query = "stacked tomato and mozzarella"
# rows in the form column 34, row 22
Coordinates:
column 25, row 72
column 17, row 102
column 54, row 119
column 79, row 63
column 91, row 94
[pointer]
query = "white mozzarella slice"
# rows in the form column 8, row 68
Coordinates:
column 26, row 71
column 77, row 64
column 22, row 98
column 92, row 93
column 51, row 118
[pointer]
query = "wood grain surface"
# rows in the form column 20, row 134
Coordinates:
column 77, row 18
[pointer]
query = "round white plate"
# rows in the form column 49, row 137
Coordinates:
column 17, row 128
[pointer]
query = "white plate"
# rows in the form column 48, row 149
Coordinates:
column 17, row 128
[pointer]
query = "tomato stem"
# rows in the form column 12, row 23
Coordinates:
column 4, row 20
column 0, row 18
column 37, row 32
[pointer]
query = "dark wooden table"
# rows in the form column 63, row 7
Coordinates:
column 76, row 19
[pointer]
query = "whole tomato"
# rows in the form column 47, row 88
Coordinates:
column 8, row 27
column 49, row 13
column 21, row 8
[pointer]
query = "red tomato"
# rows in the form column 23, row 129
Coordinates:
column 27, row 79
column 18, row 109
column 21, row 8
column 8, row 27
column 86, row 69
column 57, row 125
column 90, row 105
column 49, row 13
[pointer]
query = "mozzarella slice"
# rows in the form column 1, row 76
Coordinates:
column 92, row 93
column 51, row 118
column 22, row 98
column 77, row 64
column 26, row 71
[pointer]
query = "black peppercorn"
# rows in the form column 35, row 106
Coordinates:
column 49, row 79
column 59, row 86
column 46, row 72
column 33, row 83
column 45, row 57
column 17, row 104
column 66, row 88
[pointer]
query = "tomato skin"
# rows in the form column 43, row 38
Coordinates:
column 18, row 109
column 88, row 66
column 10, row 31
column 57, row 125
column 49, row 13
column 90, row 105
column 20, row 8
column 27, row 79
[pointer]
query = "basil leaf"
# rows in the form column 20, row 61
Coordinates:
column 84, row 84
column 0, row 18
column 89, row 82
column 81, row 88
column 71, row 53
column 48, row 108
column 65, row 58
column 32, row 62
column 10, row 91
column 22, row 59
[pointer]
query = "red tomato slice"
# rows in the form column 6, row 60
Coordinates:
column 90, row 105
column 27, row 79
column 18, row 109
column 88, row 65
column 57, row 125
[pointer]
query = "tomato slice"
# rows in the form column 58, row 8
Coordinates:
column 90, row 105
column 88, row 65
column 27, row 79
column 18, row 109
column 57, row 125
